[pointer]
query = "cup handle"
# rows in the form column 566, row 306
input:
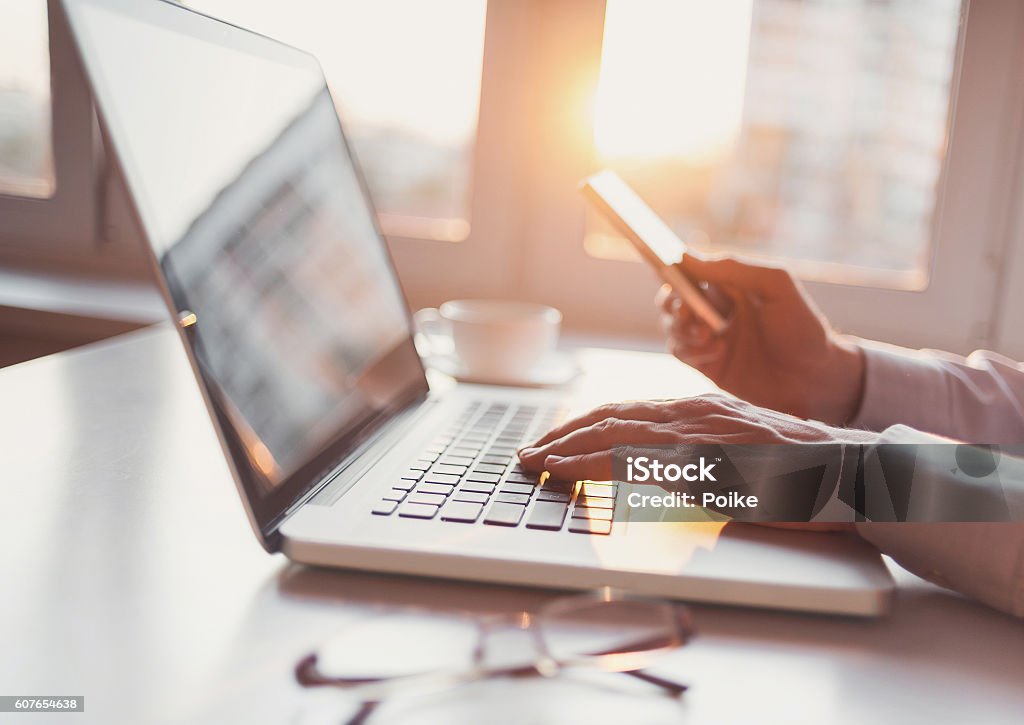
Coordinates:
column 430, row 329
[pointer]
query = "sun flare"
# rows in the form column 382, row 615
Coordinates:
column 672, row 78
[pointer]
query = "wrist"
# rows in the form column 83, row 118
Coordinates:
column 844, row 381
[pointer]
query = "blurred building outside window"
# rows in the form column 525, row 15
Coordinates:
column 807, row 130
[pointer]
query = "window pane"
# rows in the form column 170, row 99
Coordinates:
column 809, row 130
column 406, row 77
column 26, row 153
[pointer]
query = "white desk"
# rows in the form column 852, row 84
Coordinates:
column 130, row 576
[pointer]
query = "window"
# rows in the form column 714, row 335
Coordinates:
column 406, row 77
column 808, row 131
column 26, row 152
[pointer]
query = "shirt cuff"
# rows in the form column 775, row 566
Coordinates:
column 985, row 561
column 900, row 386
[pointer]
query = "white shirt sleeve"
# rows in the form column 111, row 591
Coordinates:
column 978, row 399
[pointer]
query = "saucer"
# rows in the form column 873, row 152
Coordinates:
column 557, row 368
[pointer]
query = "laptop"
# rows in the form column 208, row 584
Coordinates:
column 266, row 247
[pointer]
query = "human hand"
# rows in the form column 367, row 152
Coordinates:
column 581, row 449
column 778, row 352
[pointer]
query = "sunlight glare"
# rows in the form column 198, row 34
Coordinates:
column 672, row 78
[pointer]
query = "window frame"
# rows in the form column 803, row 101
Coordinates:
column 958, row 310
column 485, row 263
column 62, row 229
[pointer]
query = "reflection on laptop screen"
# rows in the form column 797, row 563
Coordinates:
column 248, row 194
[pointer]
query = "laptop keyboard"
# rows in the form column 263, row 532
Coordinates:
column 470, row 474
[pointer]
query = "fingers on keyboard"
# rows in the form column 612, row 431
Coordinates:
column 470, row 473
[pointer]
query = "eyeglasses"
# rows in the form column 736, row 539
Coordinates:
column 400, row 655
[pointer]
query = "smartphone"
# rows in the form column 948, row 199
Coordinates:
column 654, row 240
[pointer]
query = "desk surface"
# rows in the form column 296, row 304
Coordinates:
column 130, row 576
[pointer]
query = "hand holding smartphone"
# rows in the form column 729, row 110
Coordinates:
column 653, row 239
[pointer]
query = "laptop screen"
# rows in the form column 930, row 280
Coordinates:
column 248, row 194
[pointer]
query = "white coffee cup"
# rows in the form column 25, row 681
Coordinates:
column 498, row 339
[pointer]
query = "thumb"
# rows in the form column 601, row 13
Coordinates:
column 766, row 282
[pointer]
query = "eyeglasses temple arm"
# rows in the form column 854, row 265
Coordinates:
column 671, row 687
column 366, row 709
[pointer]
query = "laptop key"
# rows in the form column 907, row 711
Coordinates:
column 405, row 484
column 484, row 477
column 385, row 508
column 585, row 512
column 395, row 494
column 526, row 488
column 434, row 499
column 553, row 484
column 596, row 503
column 519, row 498
column 547, row 515
column 411, row 510
column 489, row 468
column 545, row 495
column 421, row 465
column 413, row 474
column 470, row 496
column 450, row 470
column 445, row 478
column 501, row 451
column 479, row 486
column 496, row 460
column 587, row 526
column 456, row 461
column 466, row 452
column 463, row 511
column 504, row 514
column 599, row 490
column 440, row 488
